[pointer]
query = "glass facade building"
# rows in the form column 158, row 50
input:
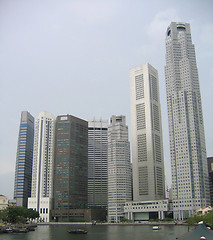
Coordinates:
column 70, row 166
column 24, row 158
column 97, row 163
column 186, row 127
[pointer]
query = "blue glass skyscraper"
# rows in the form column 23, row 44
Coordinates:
column 24, row 157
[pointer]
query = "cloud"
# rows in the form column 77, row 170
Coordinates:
column 157, row 27
column 56, row 27
column 91, row 11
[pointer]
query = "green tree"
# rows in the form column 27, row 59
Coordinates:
column 208, row 218
column 16, row 214
column 32, row 214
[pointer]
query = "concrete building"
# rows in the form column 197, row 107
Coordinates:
column 146, row 129
column 70, row 168
column 97, row 163
column 186, row 126
column 3, row 202
column 147, row 210
column 43, row 156
column 210, row 170
column 24, row 159
column 119, row 168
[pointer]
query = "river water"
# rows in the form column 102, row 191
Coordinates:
column 99, row 232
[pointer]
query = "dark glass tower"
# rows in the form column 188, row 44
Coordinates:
column 70, row 166
column 97, row 163
column 24, row 157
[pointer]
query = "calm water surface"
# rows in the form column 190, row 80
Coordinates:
column 99, row 233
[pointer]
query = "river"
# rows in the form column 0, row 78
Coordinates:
column 99, row 232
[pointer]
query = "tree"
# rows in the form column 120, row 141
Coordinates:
column 14, row 214
column 208, row 218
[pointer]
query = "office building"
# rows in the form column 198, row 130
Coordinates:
column 119, row 168
column 70, row 168
column 148, row 210
column 186, row 126
column 97, row 163
column 43, row 156
column 146, row 128
column 24, row 159
column 210, row 170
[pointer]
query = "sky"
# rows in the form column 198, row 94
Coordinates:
column 73, row 57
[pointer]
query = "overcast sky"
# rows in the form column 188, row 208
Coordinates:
column 73, row 57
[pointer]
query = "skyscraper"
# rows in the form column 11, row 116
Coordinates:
column 119, row 168
column 186, row 127
column 70, row 167
column 43, row 156
column 97, row 163
column 147, row 143
column 24, row 159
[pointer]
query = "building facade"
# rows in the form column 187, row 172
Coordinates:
column 3, row 202
column 119, row 168
column 210, row 170
column 43, row 156
column 148, row 210
column 146, row 128
column 70, row 168
column 24, row 159
column 186, row 126
column 97, row 163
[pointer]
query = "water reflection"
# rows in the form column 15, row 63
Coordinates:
column 59, row 232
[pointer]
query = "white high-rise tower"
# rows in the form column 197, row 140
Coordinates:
column 186, row 127
column 147, row 143
column 42, row 172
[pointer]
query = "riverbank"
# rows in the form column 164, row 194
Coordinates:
column 114, row 224
column 17, row 228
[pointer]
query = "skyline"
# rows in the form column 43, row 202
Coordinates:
column 56, row 57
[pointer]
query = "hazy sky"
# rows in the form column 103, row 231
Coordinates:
column 73, row 57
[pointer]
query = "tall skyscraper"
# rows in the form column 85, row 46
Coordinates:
column 119, row 168
column 70, row 167
column 147, row 143
column 97, row 163
column 43, row 156
column 186, row 127
column 24, row 159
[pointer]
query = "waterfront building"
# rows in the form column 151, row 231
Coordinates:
column 3, row 202
column 70, row 168
column 119, row 168
column 147, row 210
column 146, row 128
column 24, row 159
column 186, row 127
column 97, row 163
column 43, row 156
column 210, row 170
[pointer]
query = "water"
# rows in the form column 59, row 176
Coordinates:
column 137, row 232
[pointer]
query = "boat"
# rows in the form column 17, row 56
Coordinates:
column 77, row 231
column 155, row 228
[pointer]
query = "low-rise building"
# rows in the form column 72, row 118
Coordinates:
column 3, row 202
column 147, row 210
column 204, row 210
